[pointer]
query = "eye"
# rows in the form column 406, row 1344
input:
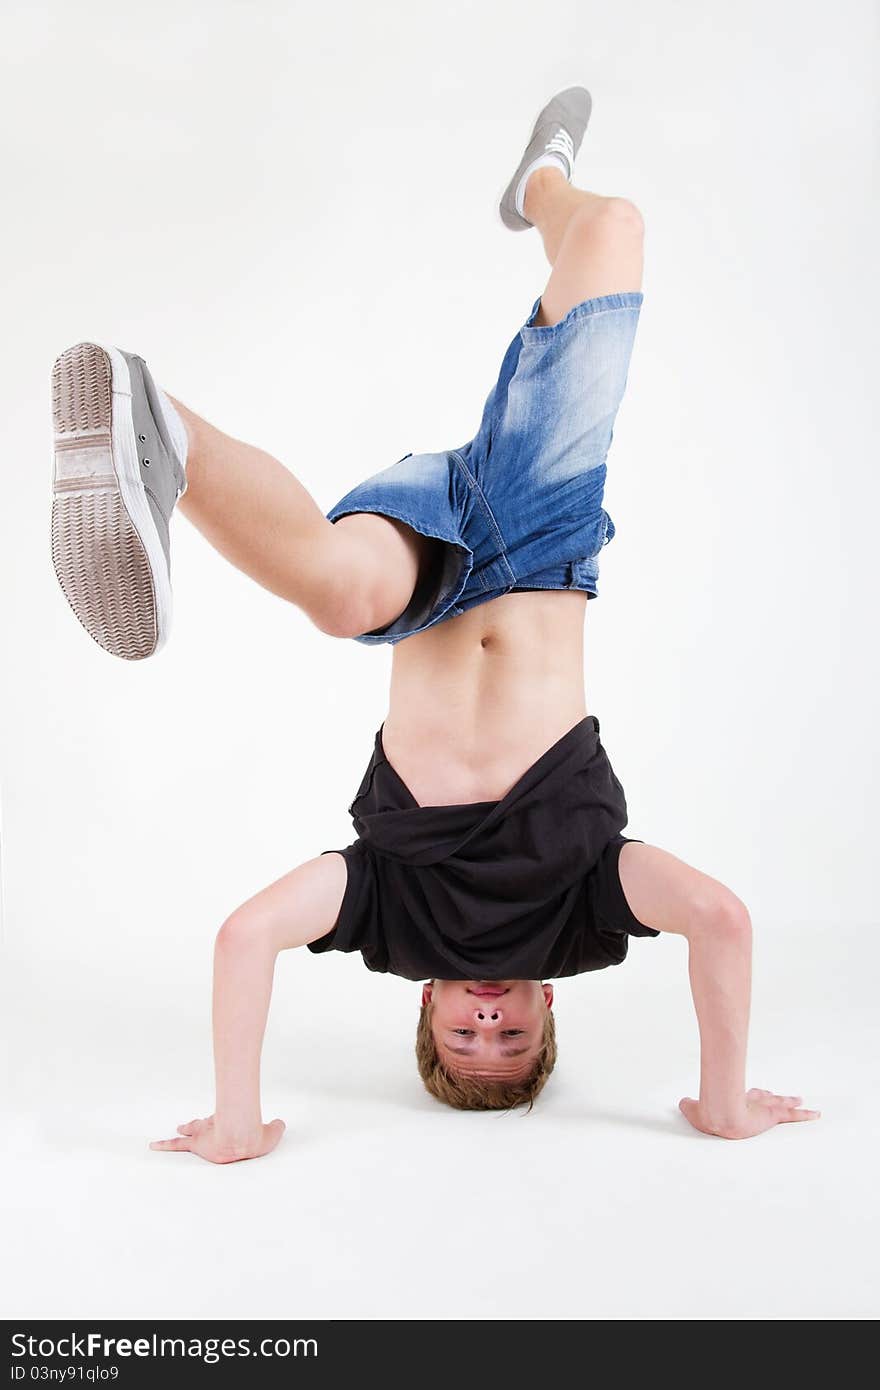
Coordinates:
column 464, row 1032
column 513, row 1032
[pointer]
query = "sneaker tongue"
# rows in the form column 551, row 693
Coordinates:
column 156, row 410
column 160, row 470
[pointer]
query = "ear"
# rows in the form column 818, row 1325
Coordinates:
column 427, row 992
column 548, row 995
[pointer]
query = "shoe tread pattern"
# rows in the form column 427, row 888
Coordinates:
column 99, row 558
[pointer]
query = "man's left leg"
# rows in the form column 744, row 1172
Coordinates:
column 593, row 243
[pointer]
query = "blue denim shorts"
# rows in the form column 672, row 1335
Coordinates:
column 520, row 505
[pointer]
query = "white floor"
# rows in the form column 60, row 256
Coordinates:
column 380, row 1204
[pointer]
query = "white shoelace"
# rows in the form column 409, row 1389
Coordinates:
column 562, row 144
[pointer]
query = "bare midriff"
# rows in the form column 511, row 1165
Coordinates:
column 476, row 699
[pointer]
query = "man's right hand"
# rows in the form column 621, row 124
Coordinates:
column 219, row 1145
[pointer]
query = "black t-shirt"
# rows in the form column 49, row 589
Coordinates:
column 525, row 888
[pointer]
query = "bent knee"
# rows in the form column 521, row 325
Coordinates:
column 613, row 219
column 716, row 910
column 340, row 620
column 354, row 605
column 623, row 216
column 351, row 615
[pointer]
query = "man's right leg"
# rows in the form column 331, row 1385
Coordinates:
column 349, row 576
column 125, row 457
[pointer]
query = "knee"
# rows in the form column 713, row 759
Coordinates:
column 614, row 219
column 623, row 217
column 717, row 911
column 348, row 613
column 360, row 597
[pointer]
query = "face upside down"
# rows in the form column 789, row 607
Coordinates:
column 486, row 1044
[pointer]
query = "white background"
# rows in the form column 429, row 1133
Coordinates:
column 289, row 210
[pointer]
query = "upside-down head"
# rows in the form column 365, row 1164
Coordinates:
column 486, row 1044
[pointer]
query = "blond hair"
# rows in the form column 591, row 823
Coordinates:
column 481, row 1092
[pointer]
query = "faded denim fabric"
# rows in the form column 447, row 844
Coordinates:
column 520, row 505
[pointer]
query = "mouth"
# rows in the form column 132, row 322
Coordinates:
column 489, row 991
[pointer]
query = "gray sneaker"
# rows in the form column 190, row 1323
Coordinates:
column 558, row 130
column 119, row 470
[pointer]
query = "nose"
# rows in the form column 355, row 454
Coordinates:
column 488, row 1016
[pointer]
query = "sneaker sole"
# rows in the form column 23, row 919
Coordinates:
column 106, row 551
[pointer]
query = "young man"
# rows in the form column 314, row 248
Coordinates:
column 489, row 854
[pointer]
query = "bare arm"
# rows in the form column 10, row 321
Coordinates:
column 296, row 909
column 665, row 893
column 720, row 970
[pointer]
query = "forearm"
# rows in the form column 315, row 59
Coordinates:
column 720, row 965
column 244, row 966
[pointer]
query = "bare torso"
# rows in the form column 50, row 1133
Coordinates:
column 478, row 698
